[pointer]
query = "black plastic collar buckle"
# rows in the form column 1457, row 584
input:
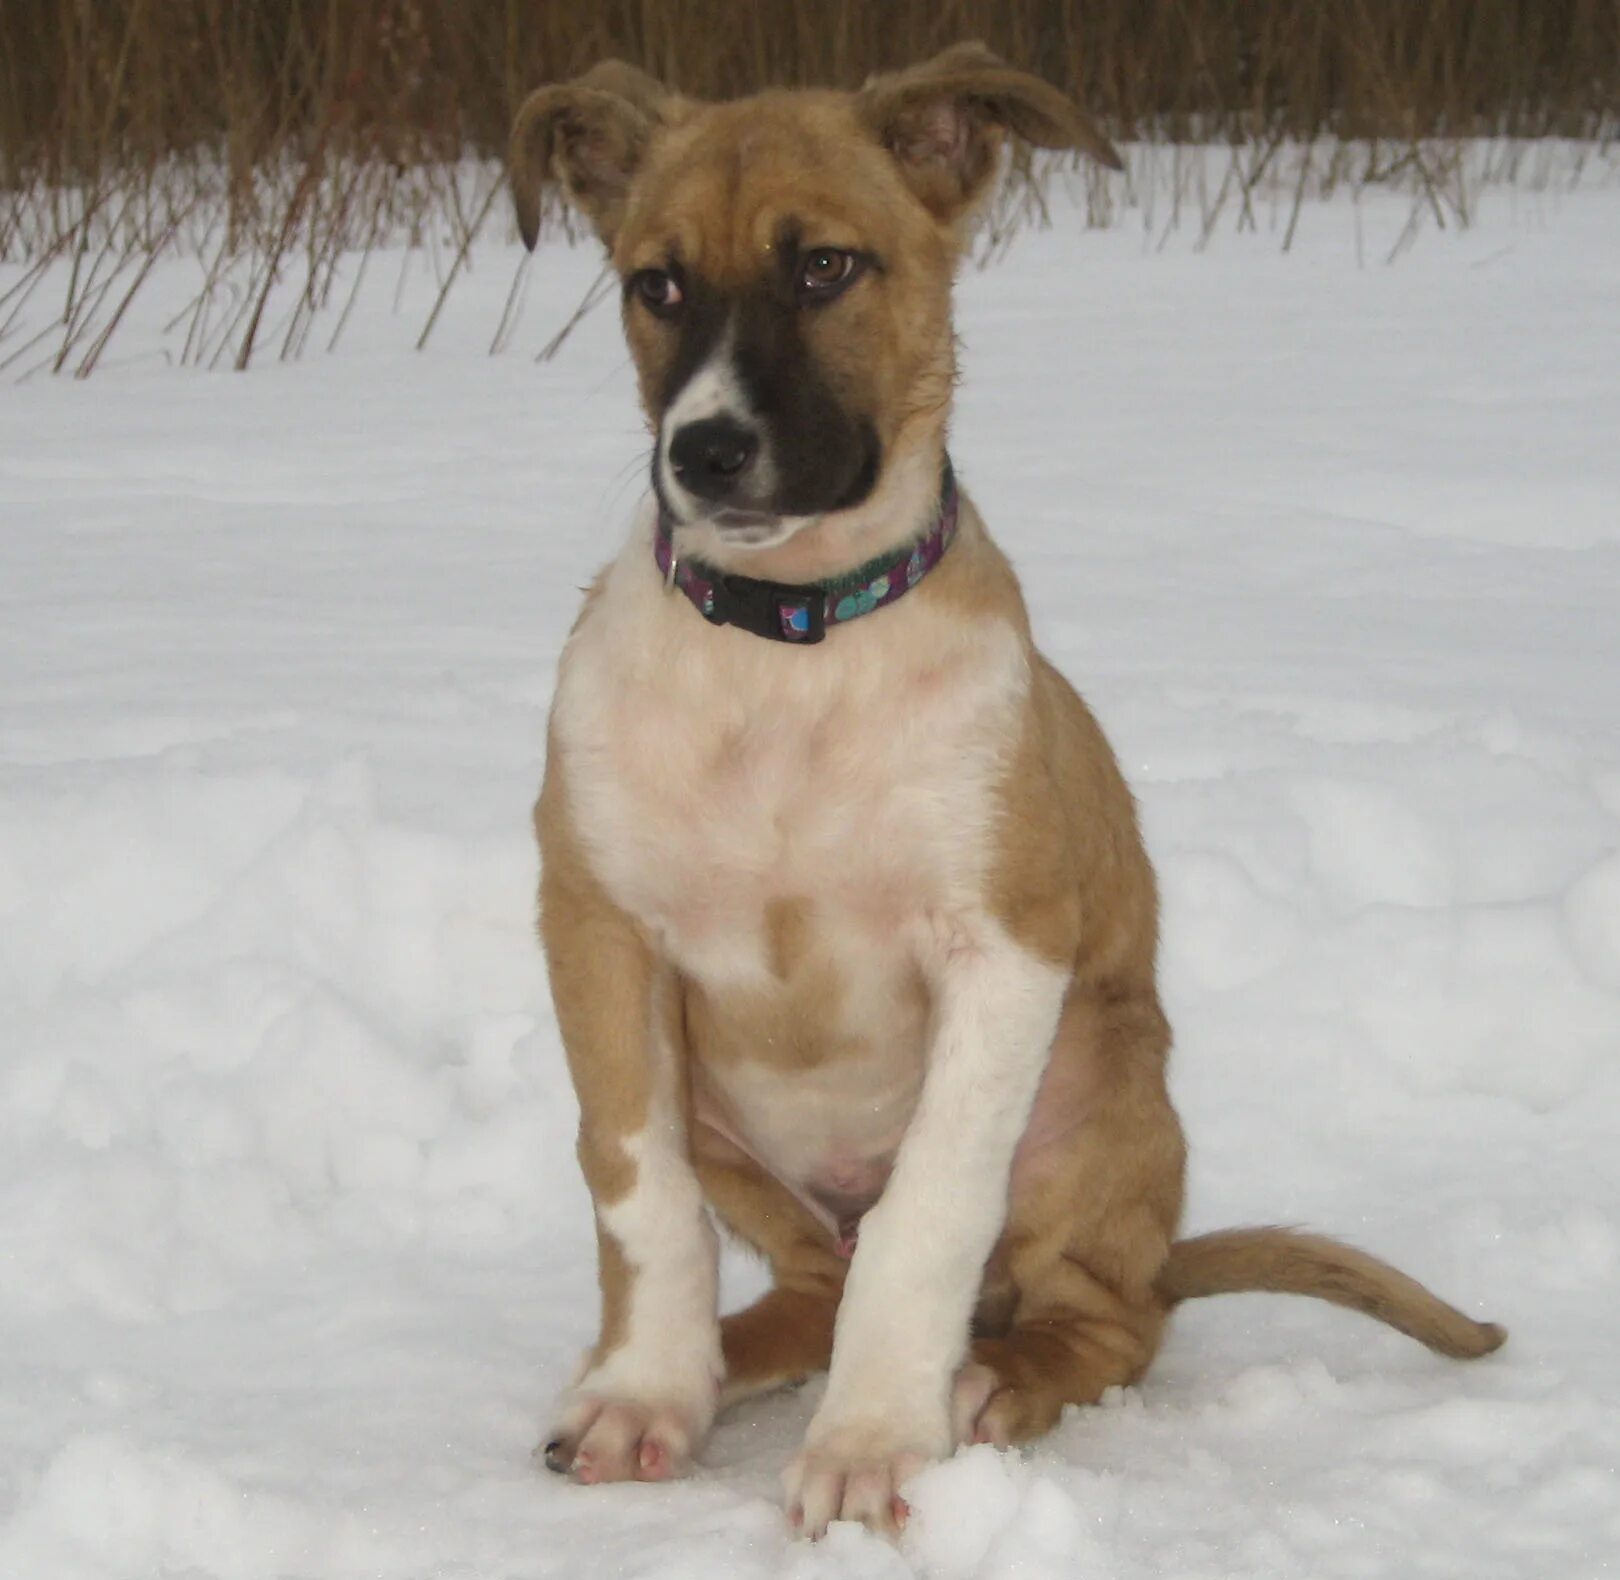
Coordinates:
column 773, row 610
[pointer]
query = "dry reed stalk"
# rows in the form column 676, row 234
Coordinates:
column 252, row 133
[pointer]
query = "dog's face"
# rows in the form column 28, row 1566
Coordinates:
column 786, row 300
column 786, row 264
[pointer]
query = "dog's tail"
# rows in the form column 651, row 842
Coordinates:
column 1286, row 1261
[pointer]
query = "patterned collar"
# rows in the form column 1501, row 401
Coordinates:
column 802, row 614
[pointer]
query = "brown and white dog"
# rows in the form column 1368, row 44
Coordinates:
column 848, row 918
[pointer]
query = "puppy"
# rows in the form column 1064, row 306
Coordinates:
column 850, row 928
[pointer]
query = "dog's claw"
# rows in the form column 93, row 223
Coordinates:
column 558, row 1457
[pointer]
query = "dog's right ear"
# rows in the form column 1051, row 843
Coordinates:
column 944, row 122
column 590, row 135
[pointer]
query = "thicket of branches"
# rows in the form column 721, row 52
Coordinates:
column 260, row 133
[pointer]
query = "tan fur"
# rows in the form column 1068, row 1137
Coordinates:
column 1235, row 1261
column 596, row 958
column 601, row 984
column 776, row 851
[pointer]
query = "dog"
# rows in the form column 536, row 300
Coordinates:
column 850, row 927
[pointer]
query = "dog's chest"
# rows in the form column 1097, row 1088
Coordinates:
column 795, row 830
column 757, row 807
column 791, row 828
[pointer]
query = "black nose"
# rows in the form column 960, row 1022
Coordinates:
column 711, row 456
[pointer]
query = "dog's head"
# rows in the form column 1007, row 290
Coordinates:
column 786, row 264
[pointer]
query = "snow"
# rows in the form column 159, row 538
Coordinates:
column 293, row 1252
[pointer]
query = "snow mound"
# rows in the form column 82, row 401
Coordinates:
column 106, row 1508
column 987, row 1515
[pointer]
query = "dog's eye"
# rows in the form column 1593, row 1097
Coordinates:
column 824, row 271
column 658, row 289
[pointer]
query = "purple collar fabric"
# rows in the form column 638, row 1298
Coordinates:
column 803, row 614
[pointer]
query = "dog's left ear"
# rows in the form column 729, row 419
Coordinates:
column 590, row 136
column 944, row 122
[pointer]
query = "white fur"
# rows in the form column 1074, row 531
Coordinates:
column 923, row 1247
column 835, row 1125
column 671, row 1350
column 712, row 772
column 712, row 391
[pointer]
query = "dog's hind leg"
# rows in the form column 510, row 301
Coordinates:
column 786, row 1334
column 1091, row 1215
column 784, row 1337
column 1076, row 1339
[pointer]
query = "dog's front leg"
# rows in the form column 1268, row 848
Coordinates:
column 646, row 1396
column 902, row 1327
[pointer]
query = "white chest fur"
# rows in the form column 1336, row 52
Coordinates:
column 712, row 774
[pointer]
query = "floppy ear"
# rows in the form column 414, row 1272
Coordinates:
column 590, row 135
column 944, row 122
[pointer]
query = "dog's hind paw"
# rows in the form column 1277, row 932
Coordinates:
column 601, row 1440
column 975, row 1417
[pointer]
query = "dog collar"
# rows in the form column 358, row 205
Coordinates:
column 802, row 614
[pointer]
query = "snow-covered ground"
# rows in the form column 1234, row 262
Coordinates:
column 292, row 1249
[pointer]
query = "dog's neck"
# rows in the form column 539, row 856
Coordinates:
column 897, row 511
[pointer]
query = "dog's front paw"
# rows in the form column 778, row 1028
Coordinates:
column 855, row 1472
column 603, row 1439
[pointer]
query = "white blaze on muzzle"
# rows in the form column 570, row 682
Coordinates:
column 712, row 450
